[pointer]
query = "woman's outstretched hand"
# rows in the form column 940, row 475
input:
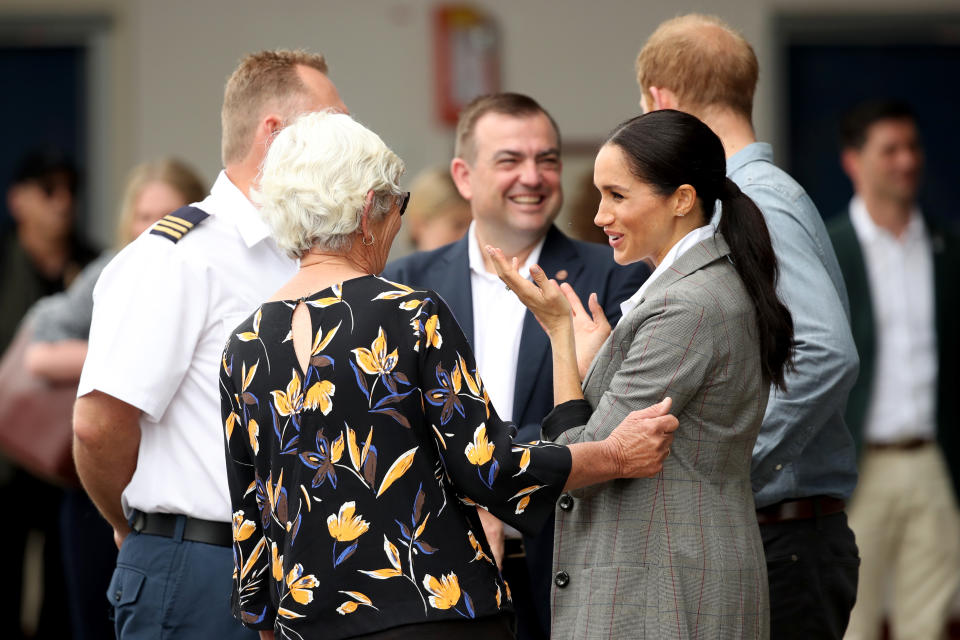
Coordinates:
column 542, row 296
column 590, row 328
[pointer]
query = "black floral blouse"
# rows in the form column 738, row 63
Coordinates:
column 355, row 483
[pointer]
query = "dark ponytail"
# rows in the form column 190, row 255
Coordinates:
column 743, row 227
column 668, row 148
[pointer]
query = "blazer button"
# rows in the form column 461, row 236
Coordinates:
column 562, row 579
column 565, row 502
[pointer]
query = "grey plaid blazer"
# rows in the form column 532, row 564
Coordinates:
column 678, row 555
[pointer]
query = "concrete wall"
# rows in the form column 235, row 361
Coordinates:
column 165, row 64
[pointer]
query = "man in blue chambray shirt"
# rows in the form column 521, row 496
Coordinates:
column 804, row 462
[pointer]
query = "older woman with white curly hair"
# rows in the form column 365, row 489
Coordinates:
column 360, row 439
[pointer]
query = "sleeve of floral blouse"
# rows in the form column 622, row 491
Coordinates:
column 250, row 599
column 518, row 482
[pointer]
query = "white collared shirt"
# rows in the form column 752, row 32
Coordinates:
column 497, row 323
column 688, row 241
column 162, row 314
column 900, row 273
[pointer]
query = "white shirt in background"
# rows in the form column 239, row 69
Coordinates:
column 900, row 273
column 497, row 324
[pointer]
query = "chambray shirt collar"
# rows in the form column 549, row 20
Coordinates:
column 228, row 201
column 750, row 153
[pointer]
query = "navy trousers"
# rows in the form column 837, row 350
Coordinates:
column 170, row 588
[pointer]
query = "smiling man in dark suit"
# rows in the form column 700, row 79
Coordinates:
column 507, row 165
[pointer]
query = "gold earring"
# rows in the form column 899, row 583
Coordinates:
column 364, row 242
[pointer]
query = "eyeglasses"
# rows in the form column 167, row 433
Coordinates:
column 404, row 200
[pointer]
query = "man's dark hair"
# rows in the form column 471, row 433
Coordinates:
column 510, row 104
column 857, row 121
column 48, row 168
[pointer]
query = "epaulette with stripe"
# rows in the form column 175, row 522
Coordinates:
column 175, row 225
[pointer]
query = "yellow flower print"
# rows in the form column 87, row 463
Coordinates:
column 524, row 495
column 253, row 429
column 336, row 449
column 247, row 336
column 344, row 526
column 480, row 555
column 289, row 402
column 319, row 396
column 276, row 562
column 242, row 529
column 375, row 359
column 231, row 422
column 351, row 605
column 393, row 556
column 300, row 585
column 445, row 592
column 480, row 450
column 431, row 329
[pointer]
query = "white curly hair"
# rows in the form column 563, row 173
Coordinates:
column 315, row 179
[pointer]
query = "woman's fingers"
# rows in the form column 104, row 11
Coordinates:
column 596, row 310
column 573, row 299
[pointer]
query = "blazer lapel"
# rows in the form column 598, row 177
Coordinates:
column 558, row 254
column 453, row 278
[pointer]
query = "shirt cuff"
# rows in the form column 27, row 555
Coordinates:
column 566, row 416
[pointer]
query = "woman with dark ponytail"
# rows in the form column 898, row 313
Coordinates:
column 677, row 554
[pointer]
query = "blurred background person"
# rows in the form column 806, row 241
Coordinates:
column 61, row 325
column 41, row 255
column 902, row 269
column 437, row 213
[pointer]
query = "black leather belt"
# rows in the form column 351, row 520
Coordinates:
column 802, row 509
column 194, row 529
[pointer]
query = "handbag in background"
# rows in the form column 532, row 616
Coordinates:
column 36, row 417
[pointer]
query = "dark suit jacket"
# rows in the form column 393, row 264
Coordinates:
column 590, row 268
column 946, row 276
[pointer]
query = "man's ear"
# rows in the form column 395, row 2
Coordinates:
column 850, row 161
column 662, row 99
column 460, row 172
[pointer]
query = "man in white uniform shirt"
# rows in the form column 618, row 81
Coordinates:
column 902, row 270
column 507, row 165
column 148, row 438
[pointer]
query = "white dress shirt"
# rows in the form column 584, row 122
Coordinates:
column 497, row 324
column 900, row 273
column 688, row 241
column 162, row 313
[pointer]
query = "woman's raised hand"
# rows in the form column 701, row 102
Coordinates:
column 590, row 329
column 543, row 296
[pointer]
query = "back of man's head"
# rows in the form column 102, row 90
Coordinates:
column 703, row 61
column 855, row 123
column 263, row 80
column 510, row 104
